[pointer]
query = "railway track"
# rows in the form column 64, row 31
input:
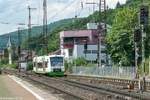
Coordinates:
column 80, row 90
column 105, row 89
column 119, row 83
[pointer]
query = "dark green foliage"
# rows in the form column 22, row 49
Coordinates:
column 14, row 65
column 120, row 39
column 4, row 61
column 118, row 5
column 30, row 66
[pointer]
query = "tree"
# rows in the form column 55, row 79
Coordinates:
column 120, row 39
column 128, row 1
column 118, row 5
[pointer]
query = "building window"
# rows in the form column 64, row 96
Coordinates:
column 70, row 52
column 92, row 51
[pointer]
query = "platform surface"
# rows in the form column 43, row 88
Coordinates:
column 11, row 90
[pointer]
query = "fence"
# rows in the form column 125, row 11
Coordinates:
column 115, row 72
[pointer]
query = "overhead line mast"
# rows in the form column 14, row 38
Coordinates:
column 45, row 30
column 29, row 30
column 102, row 29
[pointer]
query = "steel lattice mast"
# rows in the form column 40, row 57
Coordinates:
column 102, row 29
column 45, row 31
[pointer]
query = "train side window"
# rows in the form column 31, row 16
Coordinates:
column 46, row 64
column 40, row 65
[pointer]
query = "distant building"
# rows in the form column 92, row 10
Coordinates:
column 2, row 54
column 81, row 43
column 84, row 43
column 26, row 56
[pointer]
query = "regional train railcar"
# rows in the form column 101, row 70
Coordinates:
column 47, row 64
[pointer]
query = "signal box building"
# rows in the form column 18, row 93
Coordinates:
column 81, row 43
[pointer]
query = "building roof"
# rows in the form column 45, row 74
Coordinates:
column 78, row 33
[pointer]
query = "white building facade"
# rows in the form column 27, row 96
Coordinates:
column 81, row 44
column 84, row 44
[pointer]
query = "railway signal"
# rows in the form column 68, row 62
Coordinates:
column 144, row 15
column 137, row 35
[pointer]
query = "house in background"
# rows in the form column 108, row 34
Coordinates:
column 82, row 43
column 2, row 54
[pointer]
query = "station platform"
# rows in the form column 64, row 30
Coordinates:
column 14, row 88
column 9, row 89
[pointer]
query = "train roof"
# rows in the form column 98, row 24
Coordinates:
column 56, row 56
column 45, row 56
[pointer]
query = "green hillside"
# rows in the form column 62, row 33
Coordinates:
column 36, row 31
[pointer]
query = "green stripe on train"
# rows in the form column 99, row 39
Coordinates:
column 55, row 74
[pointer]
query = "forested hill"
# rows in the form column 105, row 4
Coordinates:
column 36, row 31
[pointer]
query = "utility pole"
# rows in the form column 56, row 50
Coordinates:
column 29, row 30
column 144, row 17
column 137, row 39
column 143, row 48
column 45, row 31
column 19, row 49
column 101, row 29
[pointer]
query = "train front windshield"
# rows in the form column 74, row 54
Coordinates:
column 56, row 61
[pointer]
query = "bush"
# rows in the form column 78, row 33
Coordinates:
column 9, row 65
column 4, row 61
column 80, row 62
column 30, row 66
column 67, row 65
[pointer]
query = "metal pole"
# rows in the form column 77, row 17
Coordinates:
column 143, row 57
column 143, row 49
column 45, row 31
column 136, row 60
column 29, row 31
column 99, row 39
column 149, row 65
column 19, row 49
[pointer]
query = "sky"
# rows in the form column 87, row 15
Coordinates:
column 13, row 12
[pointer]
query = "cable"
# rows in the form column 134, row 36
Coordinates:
column 62, row 10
